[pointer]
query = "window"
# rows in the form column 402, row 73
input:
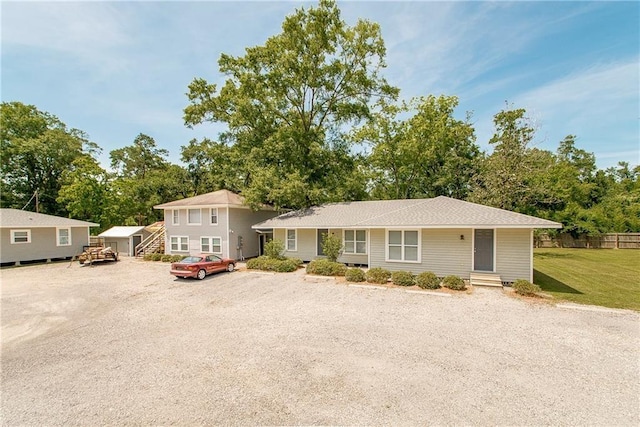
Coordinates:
column 179, row 243
column 64, row 236
column 214, row 216
column 291, row 240
column 355, row 242
column 211, row 245
column 194, row 217
column 403, row 245
column 175, row 219
column 20, row 236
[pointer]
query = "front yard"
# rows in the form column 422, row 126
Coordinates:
column 606, row 277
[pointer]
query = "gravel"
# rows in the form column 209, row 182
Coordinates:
column 128, row 344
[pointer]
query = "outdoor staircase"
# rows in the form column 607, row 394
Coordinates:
column 485, row 279
column 154, row 243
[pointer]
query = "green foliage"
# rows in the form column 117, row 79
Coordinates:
column 428, row 280
column 148, row 257
column 274, row 249
column 526, row 288
column 177, row 258
column 454, row 282
column 355, row 275
column 266, row 263
column 332, row 247
column 156, row 257
column 324, row 267
column 285, row 103
column 378, row 275
column 403, row 278
column 166, row 258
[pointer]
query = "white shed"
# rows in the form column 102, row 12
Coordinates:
column 124, row 239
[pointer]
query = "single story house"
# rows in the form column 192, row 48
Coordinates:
column 442, row 235
column 30, row 236
column 217, row 223
column 124, row 239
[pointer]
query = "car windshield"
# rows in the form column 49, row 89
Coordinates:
column 191, row 260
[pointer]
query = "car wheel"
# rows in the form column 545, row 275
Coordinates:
column 202, row 274
column 230, row 267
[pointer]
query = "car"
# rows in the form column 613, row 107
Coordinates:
column 199, row 266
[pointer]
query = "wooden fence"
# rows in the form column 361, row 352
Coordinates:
column 603, row 241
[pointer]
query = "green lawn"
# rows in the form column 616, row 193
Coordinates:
column 606, row 277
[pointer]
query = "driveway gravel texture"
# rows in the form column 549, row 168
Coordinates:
column 128, row 344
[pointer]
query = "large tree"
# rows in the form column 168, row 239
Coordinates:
column 287, row 102
column 36, row 149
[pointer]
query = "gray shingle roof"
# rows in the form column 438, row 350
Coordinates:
column 15, row 218
column 439, row 212
column 220, row 197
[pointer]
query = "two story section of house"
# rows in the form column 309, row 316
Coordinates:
column 213, row 223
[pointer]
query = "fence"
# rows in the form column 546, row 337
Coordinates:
column 603, row 241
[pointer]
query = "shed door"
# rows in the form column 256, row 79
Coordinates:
column 322, row 233
column 137, row 239
column 483, row 250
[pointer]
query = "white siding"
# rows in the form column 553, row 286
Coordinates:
column 513, row 254
column 240, row 222
column 194, row 232
column 43, row 245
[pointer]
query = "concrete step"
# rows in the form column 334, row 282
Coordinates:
column 485, row 279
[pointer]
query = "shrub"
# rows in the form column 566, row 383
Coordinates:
column 147, row 257
column 332, row 247
column 354, row 275
column 274, row 249
column 454, row 282
column 324, row 267
column 266, row 263
column 525, row 287
column 166, row 258
column 428, row 280
column 156, row 257
column 402, row 278
column 378, row 275
column 257, row 263
column 283, row 265
column 297, row 261
column 177, row 258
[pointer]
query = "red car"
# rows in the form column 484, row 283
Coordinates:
column 201, row 265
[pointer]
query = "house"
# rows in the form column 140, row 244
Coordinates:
column 30, row 236
column 124, row 239
column 442, row 235
column 218, row 223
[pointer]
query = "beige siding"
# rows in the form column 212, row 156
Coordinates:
column 307, row 246
column 513, row 254
column 43, row 245
column 240, row 222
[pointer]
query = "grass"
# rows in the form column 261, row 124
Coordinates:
column 605, row 277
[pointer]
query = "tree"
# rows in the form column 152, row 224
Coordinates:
column 287, row 102
column 426, row 155
column 137, row 160
column 36, row 149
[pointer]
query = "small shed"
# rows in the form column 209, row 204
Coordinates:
column 124, row 239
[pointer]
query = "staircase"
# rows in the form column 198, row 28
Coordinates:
column 152, row 244
column 485, row 279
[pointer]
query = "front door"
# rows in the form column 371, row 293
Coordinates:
column 322, row 233
column 483, row 250
column 137, row 239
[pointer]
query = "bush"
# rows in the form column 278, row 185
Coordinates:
column 378, row 275
column 257, row 263
column 332, row 247
column 324, row 267
column 177, row 258
column 274, row 249
column 354, row 275
column 166, row 258
column 156, row 257
column 266, row 263
column 402, row 278
column 297, row 261
column 147, row 257
column 428, row 280
column 525, row 287
column 454, row 282
column 283, row 265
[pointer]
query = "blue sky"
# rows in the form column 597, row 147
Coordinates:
column 117, row 69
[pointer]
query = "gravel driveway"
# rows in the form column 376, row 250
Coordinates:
column 128, row 344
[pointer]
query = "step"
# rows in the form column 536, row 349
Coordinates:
column 485, row 279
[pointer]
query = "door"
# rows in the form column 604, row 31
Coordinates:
column 322, row 233
column 483, row 250
column 137, row 239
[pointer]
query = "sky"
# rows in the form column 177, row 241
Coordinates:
column 117, row 69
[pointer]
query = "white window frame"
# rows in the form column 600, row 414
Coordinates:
column 189, row 217
column 13, row 237
column 58, row 236
column 211, row 216
column 175, row 217
column 295, row 239
column 210, row 240
column 179, row 243
column 355, row 242
column 403, row 246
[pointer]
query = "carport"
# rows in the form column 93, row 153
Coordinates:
column 124, row 239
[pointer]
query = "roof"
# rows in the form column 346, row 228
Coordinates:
column 439, row 212
column 15, row 218
column 217, row 198
column 122, row 231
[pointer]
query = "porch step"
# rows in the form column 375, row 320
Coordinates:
column 485, row 279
